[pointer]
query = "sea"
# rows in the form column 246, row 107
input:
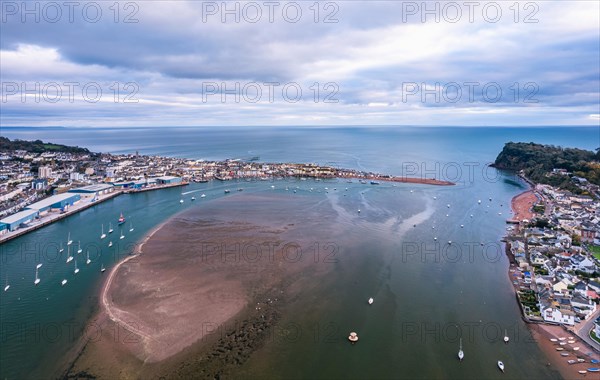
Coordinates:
column 430, row 256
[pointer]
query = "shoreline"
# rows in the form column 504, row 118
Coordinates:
column 103, row 315
column 521, row 206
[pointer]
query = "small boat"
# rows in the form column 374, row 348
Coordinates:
column 61, row 249
column 69, row 257
column 594, row 361
column 103, row 235
column 593, row 369
column 449, row 242
column 553, row 340
column 110, row 243
column 130, row 227
column 563, row 343
column 359, row 211
column 193, row 198
column 181, row 201
column 37, row 279
column 564, row 354
column 501, row 365
column 69, row 241
column 240, row 189
column 571, row 342
column 479, row 201
column 353, row 337
column 102, row 269
column 435, row 238
column 448, row 205
column 462, row 226
column 7, row 286
column 561, row 339
column 370, row 301
column 76, row 269
column 227, row 191
column 374, row 183
column 461, row 354
column 204, row 195
column 572, row 361
column 79, row 250
column 579, row 360
column 122, row 236
column 110, row 229
column 63, row 282
column 88, row 258
column 121, row 219
column 583, row 372
column 559, row 349
column 506, row 339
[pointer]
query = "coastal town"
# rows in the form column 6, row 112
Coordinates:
column 37, row 188
column 553, row 244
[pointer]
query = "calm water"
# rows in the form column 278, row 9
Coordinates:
column 426, row 295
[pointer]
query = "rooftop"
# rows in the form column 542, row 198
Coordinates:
column 50, row 201
column 18, row 216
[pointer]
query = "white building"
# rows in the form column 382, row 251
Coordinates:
column 554, row 315
column 44, row 172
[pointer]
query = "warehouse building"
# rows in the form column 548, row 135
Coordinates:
column 11, row 223
column 61, row 201
column 101, row 188
column 168, row 180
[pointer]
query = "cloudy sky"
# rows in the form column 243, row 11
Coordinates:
column 185, row 63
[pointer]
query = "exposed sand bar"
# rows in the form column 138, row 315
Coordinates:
column 232, row 259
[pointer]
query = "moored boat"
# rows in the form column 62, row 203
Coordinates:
column 501, row 365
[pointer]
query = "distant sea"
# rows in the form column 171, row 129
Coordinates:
column 422, row 293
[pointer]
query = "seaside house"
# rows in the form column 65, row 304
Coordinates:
column 556, row 315
column 583, row 307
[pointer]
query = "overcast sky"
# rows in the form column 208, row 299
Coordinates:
column 185, row 63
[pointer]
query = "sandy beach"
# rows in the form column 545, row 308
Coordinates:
column 522, row 205
column 199, row 294
column 578, row 349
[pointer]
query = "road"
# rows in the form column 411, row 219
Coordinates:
column 583, row 329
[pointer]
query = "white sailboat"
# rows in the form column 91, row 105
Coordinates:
column 130, row 226
column 122, row 236
column 102, row 269
column 204, row 195
column 69, row 241
column 501, row 365
column 103, row 235
column 37, row 279
column 7, row 286
column 88, row 257
column 193, row 198
column 61, row 249
column 76, row 269
column 110, row 229
column 79, row 250
column 69, row 257
column 371, row 300
column 63, row 282
column 110, row 243
column 461, row 354
column 506, row 339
